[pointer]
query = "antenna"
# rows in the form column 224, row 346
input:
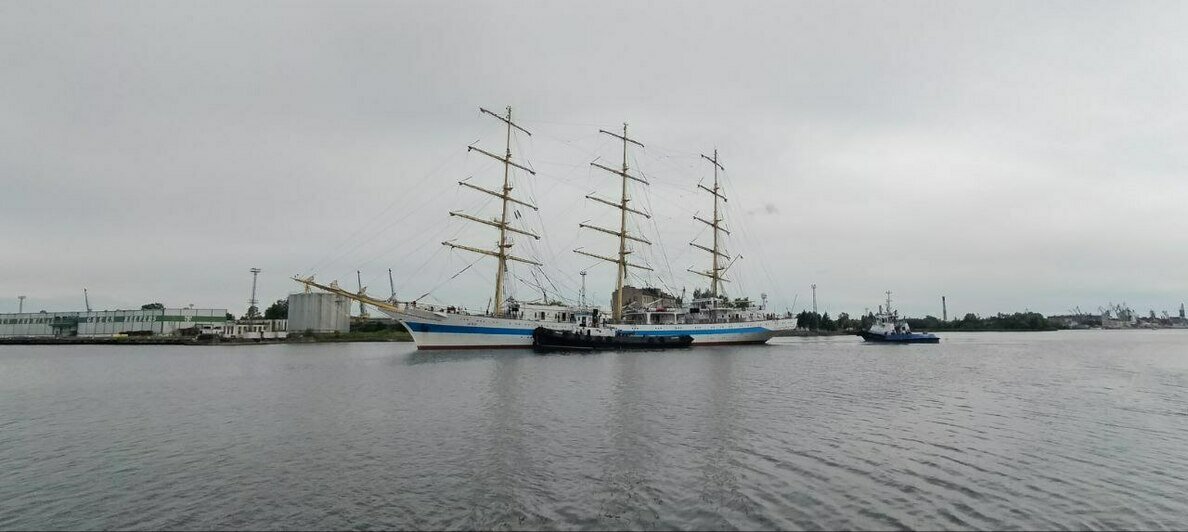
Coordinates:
column 21, row 308
column 253, row 305
column 86, row 300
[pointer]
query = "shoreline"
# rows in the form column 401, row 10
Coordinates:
column 171, row 340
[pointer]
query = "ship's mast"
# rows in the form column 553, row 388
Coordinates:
column 716, row 270
column 504, row 244
column 617, row 310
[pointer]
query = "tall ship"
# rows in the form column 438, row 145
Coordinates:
column 708, row 319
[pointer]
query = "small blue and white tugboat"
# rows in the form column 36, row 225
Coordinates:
column 888, row 328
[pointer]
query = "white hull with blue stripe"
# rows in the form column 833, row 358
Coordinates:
column 747, row 332
column 440, row 330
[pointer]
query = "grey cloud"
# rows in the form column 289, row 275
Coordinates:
column 1006, row 154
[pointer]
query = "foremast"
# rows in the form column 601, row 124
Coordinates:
column 504, row 245
column 621, row 261
column 716, row 269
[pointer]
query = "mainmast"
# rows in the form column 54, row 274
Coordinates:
column 716, row 271
column 504, row 244
column 617, row 310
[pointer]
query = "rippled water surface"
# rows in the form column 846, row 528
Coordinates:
column 1078, row 429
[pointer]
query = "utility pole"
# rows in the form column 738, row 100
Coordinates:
column 21, row 308
column 254, row 305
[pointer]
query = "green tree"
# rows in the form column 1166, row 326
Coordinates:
column 152, row 306
column 827, row 324
column 278, row 310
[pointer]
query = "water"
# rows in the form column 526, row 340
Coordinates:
column 1078, row 429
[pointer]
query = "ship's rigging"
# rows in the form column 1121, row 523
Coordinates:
column 634, row 231
column 716, row 270
column 504, row 244
column 624, row 236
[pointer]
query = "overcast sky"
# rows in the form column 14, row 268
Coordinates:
column 1009, row 155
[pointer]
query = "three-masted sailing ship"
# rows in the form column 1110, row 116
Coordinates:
column 710, row 319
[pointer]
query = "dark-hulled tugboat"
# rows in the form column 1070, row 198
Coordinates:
column 596, row 338
column 888, row 328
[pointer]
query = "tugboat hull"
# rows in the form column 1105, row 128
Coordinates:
column 900, row 338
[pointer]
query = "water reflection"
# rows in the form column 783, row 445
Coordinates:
column 499, row 460
column 719, row 482
column 626, row 497
column 1022, row 431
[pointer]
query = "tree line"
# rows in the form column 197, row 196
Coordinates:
column 1018, row 321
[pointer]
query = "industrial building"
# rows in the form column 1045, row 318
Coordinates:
column 255, row 329
column 111, row 322
column 645, row 298
column 319, row 312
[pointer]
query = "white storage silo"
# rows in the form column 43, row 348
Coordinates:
column 319, row 312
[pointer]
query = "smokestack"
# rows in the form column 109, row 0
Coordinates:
column 944, row 309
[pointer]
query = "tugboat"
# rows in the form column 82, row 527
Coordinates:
column 596, row 338
column 888, row 328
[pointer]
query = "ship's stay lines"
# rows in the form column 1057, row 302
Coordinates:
column 452, row 154
column 558, row 283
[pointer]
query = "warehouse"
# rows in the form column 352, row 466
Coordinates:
column 110, row 322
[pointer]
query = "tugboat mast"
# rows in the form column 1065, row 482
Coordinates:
column 504, row 244
column 617, row 310
column 716, row 271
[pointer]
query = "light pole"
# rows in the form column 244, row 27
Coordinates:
column 816, row 318
column 583, row 273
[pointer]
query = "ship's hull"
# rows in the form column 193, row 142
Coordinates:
column 900, row 338
column 546, row 339
column 748, row 332
column 436, row 330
